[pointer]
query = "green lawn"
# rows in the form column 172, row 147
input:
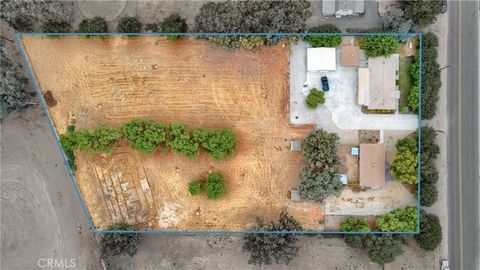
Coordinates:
column 405, row 81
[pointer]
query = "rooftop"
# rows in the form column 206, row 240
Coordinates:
column 382, row 82
column 372, row 165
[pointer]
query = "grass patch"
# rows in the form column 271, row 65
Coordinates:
column 405, row 81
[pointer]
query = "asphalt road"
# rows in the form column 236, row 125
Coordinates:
column 463, row 147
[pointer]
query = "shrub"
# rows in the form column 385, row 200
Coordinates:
column 55, row 27
column 69, row 144
column 129, row 25
column 431, row 81
column 145, row 135
column 215, row 185
column 395, row 21
column 422, row 12
column 99, row 140
column 399, row 220
column 251, row 43
column 218, row 143
column 117, row 244
column 352, row 224
column 430, row 235
column 404, row 166
column 375, row 46
column 429, row 148
column 174, row 24
column 195, row 187
column 265, row 248
column 314, row 98
column 182, row 141
column 383, row 248
column 324, row 40
column 315, row 186
column 413, row 99
column 428, row 192
column 320, row 150
column 96, row 24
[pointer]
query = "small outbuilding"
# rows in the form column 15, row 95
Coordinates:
column 321, row 59
column 372, row 165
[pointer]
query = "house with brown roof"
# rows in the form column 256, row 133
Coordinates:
column 372, row 165
column 378, row 88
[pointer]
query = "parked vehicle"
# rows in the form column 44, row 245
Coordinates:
column 444, row 265
column 325, row 86
column 444, row 6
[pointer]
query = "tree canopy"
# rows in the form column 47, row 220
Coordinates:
column 96, row 24
column 174, row 23
column 395, row 21
column 375, row 46
column 317, row 186
column 422, row 12
column 315, row 98
column 145, row 135
column 399, row 220
column 215, row 185
column 352, row 224
column 324, row 40
column 266, row 248
column 430, row 235
column 320, row 150
column 405, row 163
column 116, row 244
column 129, row 25
column 219, row 143
column 12, row 87
column 52, row 26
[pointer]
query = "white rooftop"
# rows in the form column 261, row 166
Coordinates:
column 321, row 59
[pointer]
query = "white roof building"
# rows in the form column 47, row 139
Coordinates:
column 321, row 59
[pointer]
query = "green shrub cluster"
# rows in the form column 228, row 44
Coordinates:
column 96, row 24
column 183, row 141
column 217, row 143
column 399, row 220
column 129, row 25
column 352, row 224
column 428, row 169
column 52, row 26
column 430, row 235
column 145, row 136
column 69, row 144
column 324, row 40
column 214, row 186
column 404, row 166
column 375, row 46
column 314, row 98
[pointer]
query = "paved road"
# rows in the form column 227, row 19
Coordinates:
column 463, row 148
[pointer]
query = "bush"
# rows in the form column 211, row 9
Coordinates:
column 174, row 24
column 251, row 43
column 117, row 244
column 251, row 17
column 215, row 185
column 422, row 12
column 55, row 27
column 95, row 25
column 431, row 81
column 320, row 150
column 99, row 140
column 218, row 143
column 428, row 193
column 352, row 224
column 430, row 235
column 413, row 99
column 153, row 27
column 399, row 220
column 395, row 21
column 129, row 25
column 69, row 144
column 383, row 248
column 324, row 40
column 145, row 135
column 404, row 166
column 195, row 187
column 315, row 186
column 182, row 141
column 375, row 46
column 266, row 248
column 12, row 87
column 314, row 98
column 429, row 148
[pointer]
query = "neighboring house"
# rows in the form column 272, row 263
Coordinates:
column 372, row 165
column 321, row 59
column 377, row 84
column 340, row 8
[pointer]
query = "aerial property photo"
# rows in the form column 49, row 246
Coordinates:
column 210, row 132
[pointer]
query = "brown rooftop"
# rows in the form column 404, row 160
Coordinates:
column 372, row 165
column 350, row 56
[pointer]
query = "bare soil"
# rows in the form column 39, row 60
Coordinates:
column 107, row 83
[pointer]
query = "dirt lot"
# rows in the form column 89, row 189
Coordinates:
column 110, row 82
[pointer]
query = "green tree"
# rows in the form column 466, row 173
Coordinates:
column 266, row 248
column 428, row 193
column 182, row 141
column 431, row 81
column 383, row 248
column 99, row 140
column 12, row 87
column 375, row 46
column 215, row 185
column 96, row 24
column 395, row 21
column 399, row 220
column 145, row 136
column 352, row 224
column 116, row 244
column 404, row 166
column 315, row 186
column 55, row 27
column 195, row 187
column 320, row 150
column 69, row 144
column 430, row 235
column 324, row 40
column 412, row 99
column 218, row 143
column 429, row 147
column 314, row 98
column 422, row 12
column 174, row 24
column 129, row 25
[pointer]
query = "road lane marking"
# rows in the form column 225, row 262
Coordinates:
column 459, row 80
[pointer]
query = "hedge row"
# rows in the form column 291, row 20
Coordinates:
column 148, row 136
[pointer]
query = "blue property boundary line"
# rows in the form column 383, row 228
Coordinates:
column 17, row 36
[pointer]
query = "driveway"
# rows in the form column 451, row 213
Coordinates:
column 341, row 100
